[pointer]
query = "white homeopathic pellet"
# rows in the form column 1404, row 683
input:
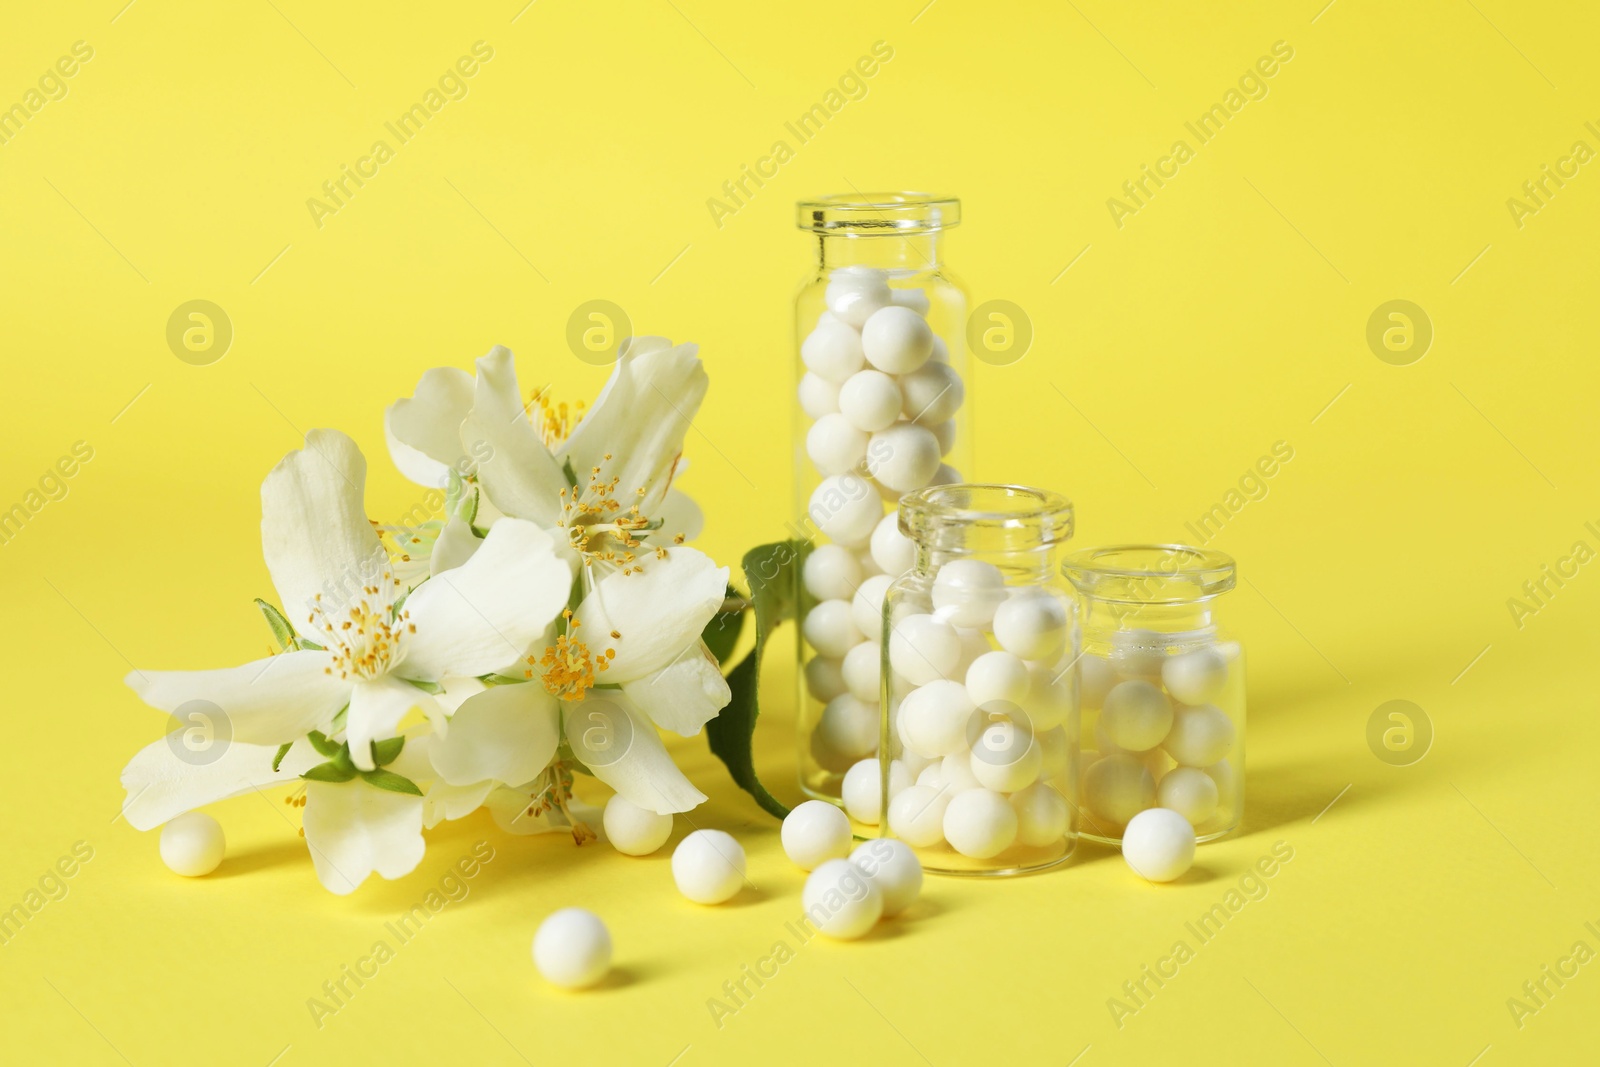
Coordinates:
column 1199, row 736
column 862, row 672
column 840, row 900
column 862, row 789
column 835, row 445
column 1117, row 787
column 1136, row 715
column 931, row 394
column 845, row 508
column 871, row 400
column 1041, row 814
column 830, row 628
column 1005, row 758
column 896, row 340
column 825, row 677
column 192, row 844
column 831, row 573
column 832, row 351
column 1158, row 844
column 1195, row 677
column 866, row 607
column 894, row 869
column 923, row 649
column 916, row 815
column 1032, row 625
column 934, row 718
column 999, row 678
column 572, row 948
column 904, row 457
column 814, row 832
column 818, row 396
column 955, row 773
column 980, row 823
column 854, row 293
column 849, row 726
column 708, row 866
column 967, row 592
column 1190, row 792
column 634, row 830
column 893, row 551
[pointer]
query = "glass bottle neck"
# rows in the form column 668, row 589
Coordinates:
column 1188, row 617
column 1019, row 567
column 904, row 253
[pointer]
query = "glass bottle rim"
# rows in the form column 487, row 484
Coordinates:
column 868, row 214
column 1150, row 573
column 1045, row 515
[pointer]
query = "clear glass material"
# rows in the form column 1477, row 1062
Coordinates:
column 881, row 376
column 979, row 750
column 1161, row 685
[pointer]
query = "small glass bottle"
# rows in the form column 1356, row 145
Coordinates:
column 1161, row 685
column 979, row 751
column 881, row 379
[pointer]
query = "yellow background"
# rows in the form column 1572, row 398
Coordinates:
column 1225, row 316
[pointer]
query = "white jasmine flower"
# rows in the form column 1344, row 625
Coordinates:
column 638, row 635
column 333, row 578
column 363, row 660
column 624, row 451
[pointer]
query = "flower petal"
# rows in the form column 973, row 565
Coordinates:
column 456, row 544
column 354, row 829
column 684, row 695
column 162, row 785
column 270, row 701
column 681, row 515
column 620, row 745
column 659, row 610
column 427, row 427
column 314, row 531
column 507, row 733
column 376, row 708
column 445, row 801
column 515, row 469
column 640, row 418
column 486, row 613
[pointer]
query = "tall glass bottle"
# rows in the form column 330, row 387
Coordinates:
column 881, row 379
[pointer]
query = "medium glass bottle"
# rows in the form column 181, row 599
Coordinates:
column 1162, row 688
column 881, row 377
column 979, row 747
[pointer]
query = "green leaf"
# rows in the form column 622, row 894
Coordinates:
column 773, row 575
column 283, row 750
column 572, row 475
column 310, row 644
column 330, row 772
column 391, row 781
column 499, row 679
column 385, row 752
column 324, row 747
column 339, row 718
column 722, row 632
column 427, row 687
column 281, row 628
